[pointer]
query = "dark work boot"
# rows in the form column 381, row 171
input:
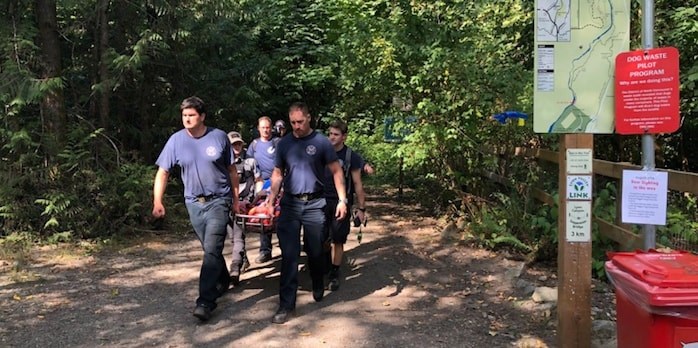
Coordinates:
column 235, row 273
column 334, row 278
column 318, row 290
column 245, row 264
column 263, row 258
column 202, row 312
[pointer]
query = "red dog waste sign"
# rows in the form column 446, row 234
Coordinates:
column 647, row 91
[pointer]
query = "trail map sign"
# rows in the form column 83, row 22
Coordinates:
column 576, row 41
column 647, row 91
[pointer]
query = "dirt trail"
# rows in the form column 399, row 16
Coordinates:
column 403, row 287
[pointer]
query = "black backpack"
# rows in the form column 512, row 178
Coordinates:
column 244, row 176
column 348, row 184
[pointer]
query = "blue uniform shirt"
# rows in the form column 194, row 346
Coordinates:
column 304, row 160
column 204, row 162
column 356, row 162
column 264, row 153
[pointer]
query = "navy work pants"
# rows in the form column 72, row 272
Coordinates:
column 209, row 220
column 295, row 214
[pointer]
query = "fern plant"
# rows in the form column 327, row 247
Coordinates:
column 56, row 206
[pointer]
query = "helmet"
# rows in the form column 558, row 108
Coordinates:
column 279, row 125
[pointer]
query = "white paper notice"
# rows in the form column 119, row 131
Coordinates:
column 644, row 197
column 578, row 221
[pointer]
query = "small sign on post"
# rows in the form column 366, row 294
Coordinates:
column 579, row 187
column 578, row 199
column 579, row 161
column 578, row 221
column 647, row 91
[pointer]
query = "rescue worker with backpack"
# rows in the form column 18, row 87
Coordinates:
column 338, row 230
column 250, row 183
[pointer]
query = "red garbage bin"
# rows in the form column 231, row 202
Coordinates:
column 656, row 298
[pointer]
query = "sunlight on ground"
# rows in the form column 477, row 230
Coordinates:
column 165, row 274
column 18, row 276
column 247, row 294
column 388, row 291
column 529, row 342
column 52, row 301
column 155, row 246
column 448, row 302
column 120, row 308
column 266, row 272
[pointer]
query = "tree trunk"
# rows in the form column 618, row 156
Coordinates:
column 53, row 103
column 104, row 92
column 13, row 15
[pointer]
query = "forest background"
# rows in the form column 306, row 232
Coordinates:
column 90, row 92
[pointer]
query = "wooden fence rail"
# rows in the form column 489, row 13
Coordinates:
column 616, row 231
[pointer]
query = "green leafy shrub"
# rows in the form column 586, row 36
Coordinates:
column 680, row 232
column 543, row 235
column 88, row 191
column 494, row 225
column 15, row 247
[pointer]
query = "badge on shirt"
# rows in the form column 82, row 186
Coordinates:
column 311, row 150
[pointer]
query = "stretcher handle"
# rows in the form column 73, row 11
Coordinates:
column 254, row 216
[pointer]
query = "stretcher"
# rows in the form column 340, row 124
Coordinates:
column 262, row 222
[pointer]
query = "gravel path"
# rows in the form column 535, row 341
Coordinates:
column 403, row 287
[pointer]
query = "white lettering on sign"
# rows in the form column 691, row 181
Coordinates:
column 649, row 56
column 646, row 65
column 655, row 56
column 642, row 73
column 647, row 91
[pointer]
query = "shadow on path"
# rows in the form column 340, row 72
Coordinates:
column 401, row 287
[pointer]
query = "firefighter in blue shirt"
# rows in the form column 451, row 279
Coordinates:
column 300, row 164
column 210, row 193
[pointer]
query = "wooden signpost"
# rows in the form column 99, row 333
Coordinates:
column 574, row 240
column 573, row 94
